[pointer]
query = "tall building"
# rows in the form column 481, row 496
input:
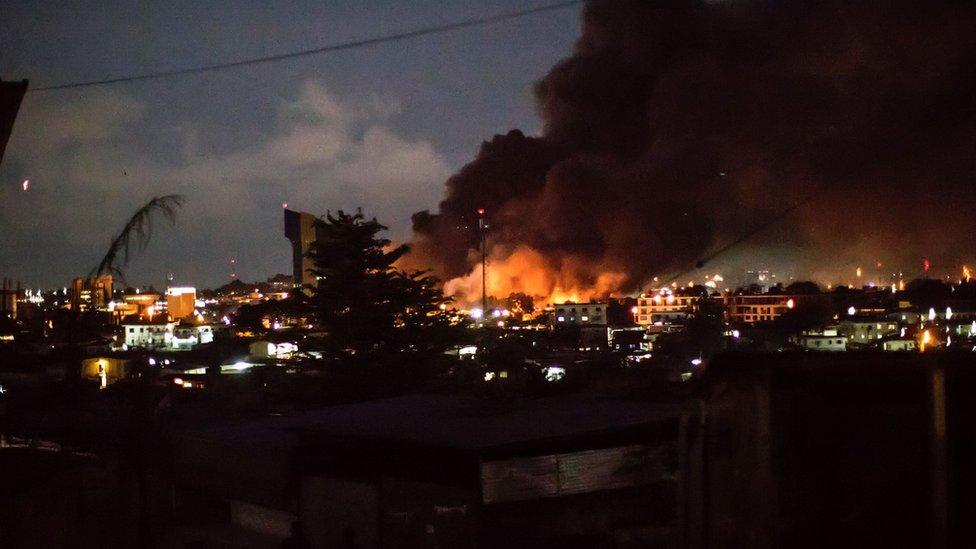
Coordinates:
column 9, row 296
column 180, row 302
column 301, row 231
column 91, row 293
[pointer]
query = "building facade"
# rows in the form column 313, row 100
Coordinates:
column 300, row 229
column 750, row 309
column 180, row 302
column 148, row 334
column 668, row 308
column 580, row 314
column 91, row 293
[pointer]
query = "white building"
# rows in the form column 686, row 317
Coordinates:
column 187, row 337
column 266, row 349
column 822, row 340
column 900, row 344
column 164, row 335
column 867, row 330
column 148, row 334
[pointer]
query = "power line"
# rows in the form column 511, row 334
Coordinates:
column 743, row 237
column 438, row 29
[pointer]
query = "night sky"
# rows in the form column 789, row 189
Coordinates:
column 652, row 136
column 381, row 127
column 685, row 138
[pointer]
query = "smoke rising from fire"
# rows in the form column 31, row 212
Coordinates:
column 677, row 126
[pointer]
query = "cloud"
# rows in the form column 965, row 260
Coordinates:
column 94, row 157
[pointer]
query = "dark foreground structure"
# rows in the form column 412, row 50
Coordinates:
column 774, row 450
column 851, row 450
column 436, row 471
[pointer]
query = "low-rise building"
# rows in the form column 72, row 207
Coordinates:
column 899, row 344
column 665, row 307
column 821, row 340
column 148, row 334
column 753, row 308
column 866, row 330
column 187, row 336
column 580, row 314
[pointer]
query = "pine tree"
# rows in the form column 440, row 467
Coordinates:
column 363, row 302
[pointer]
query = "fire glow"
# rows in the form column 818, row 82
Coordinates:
column 525, row 270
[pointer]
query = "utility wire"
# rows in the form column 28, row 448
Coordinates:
column 781, row 215
column 438, row 29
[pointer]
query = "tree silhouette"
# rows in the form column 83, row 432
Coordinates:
column 364, row 303
column 139, row 227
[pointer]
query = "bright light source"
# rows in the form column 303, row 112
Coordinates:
column 496, row 313
column 735, row 334
column 501, row 323
column 152, row 361
column 931, row 314
column 790, row 303
column 851, row 310
column 633, row 310
column 561, row 319
column 477, row 313
column 489, row 376
column 948, row 313
column 696, row 362
column 554, row 373
column 178, row 380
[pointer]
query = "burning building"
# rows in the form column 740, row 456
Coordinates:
column 681, row 132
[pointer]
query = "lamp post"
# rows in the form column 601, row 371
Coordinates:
column 482, row 230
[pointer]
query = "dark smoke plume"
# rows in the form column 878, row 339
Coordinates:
column 676, row 127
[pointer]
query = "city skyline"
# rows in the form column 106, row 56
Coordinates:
column 310, row 140
column 380, row 127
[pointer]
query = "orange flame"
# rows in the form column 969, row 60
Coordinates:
column 525, row 270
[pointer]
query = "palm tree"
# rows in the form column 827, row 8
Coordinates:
column 140, row 228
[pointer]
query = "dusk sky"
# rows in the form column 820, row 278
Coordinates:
column 381, row 127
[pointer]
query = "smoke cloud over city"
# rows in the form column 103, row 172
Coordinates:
column 676, row 128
